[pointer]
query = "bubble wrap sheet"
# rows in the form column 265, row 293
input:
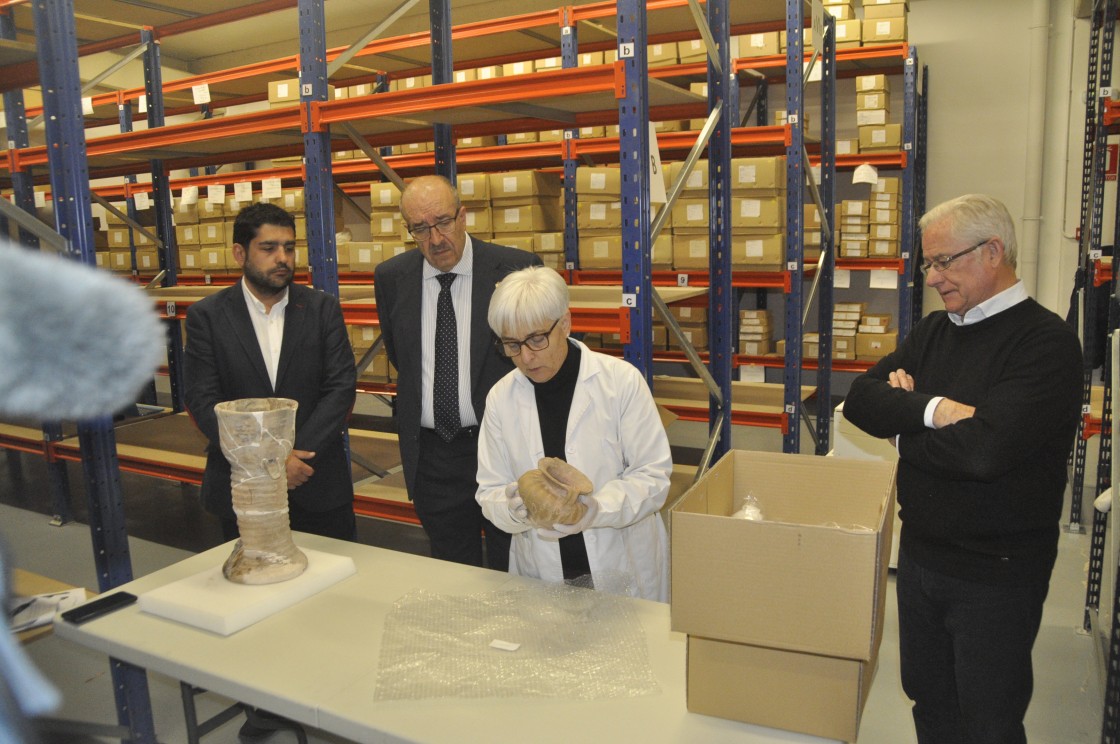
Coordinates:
column 575, row 643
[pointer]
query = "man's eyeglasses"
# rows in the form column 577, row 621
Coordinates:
column 944, row 262
column 536, row 342
column 424, row 232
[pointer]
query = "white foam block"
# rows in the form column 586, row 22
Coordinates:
column 209, row 601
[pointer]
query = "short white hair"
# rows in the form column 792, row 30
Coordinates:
column 975, row 217
column 531, row 298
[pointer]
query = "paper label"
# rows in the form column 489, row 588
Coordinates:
column 754, row 249
column 243, row 191
column 512, row 216
column 216, row 194
column 598, row 181
column 365, row 255
column 879, row 136
column 748, row 174
column 470, row 219
column 386, row 224
column 142, row 200
column 758, row 41
column 87, row 106
column 750, row 208
column 270, row 188
column 40, row 199
column 509, row 183
column 882, row 28
column 281, row 90
column 697, row 248
column 189, row 196
column 600, row 249
column 201, row 93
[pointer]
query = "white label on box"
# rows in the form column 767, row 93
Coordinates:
column 695, row 212
column 365, row 255
column 882, row 28
column 216, row 194
column 142, row 201
column 758, row 41
column 188, row 234
column 243, row 191
column 754, row 249
column 270, row 188
column 281, row 90
column 211, row 231
column 879, row 136
column 40, row 199
column 841, row 31
column 873, row 117
column 201, row 93
column 883, row 231
column 657, row 50
column 695, row 179
column 697, row 248
column 470, row 219
column 509, row 183
column 867, row 82
column 598, row 211
column 518, row 68
column 466, row 188
column 386, row 225
column 460, row 76
column 142, row 104
column 87, row 105
column 598, row 181
column 600, row 249
column 750, row 208
column 189, row 196
column 189, row 262
column 548, row 241
column 511, row 216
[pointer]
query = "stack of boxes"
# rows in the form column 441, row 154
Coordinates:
column 845, row 327
column 884, row 21
column 119, row 256
column 854, row 226
column 388, row 235
column 784, row 615
column 876, row 133
column 599, row 217
column 754, row 332
column 524, row 204
column 885, row 216
column 875, row 339
column 693, row 322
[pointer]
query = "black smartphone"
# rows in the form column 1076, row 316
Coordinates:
column 98, row 607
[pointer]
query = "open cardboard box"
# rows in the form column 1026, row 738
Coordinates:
column 810, row 577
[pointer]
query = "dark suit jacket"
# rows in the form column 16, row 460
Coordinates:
column 316, row 369
column 398, row 287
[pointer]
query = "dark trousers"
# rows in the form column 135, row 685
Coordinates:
column 443, row 495
column 338, row 523
column 965, row 651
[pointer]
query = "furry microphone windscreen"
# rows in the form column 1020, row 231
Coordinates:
column 75, row 342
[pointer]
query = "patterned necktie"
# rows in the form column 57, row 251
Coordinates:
column 445, row 393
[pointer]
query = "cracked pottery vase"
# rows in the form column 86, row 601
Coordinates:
column 257, row 436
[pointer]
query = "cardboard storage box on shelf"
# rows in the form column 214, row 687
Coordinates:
column 875, row 346
column 689, row 314
column 848, row 33
column 385, row 196
column 186, row 235
column 886, row 137
column 599, row 215
column 779, row 119
column 847, row 146
column 216, row 258
column 810, row 577
column 885, row 216
column 886, row 185
column 884, row 232
column 690, row 252
column 884, row 30
column 474, row 188
column 384, row 224
column 840, row 11
column 517, row 68
column 598, row 183
column 756, row 212
column 872, row 118
column 362, row 256
column 810, row 345
column 147, row 260
column 690, row 213
column 867, row 83
column 479, row 220
column 874, row 100
column 881, row 200
column 119, row 259
column 544, row 216
column 697, row 181
column 692, row 51
column 661, row 253
column 520, row 187
column 487, row 141
column 757, row 252
column 600, row 252
column 759, row 176
column 190, row 260
column 549, row 242
column 872, row 11
column 882, row 248
column 661, row 55
column 587, row 59
column 696, row 336
column 758, row 45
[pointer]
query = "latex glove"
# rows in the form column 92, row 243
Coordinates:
column 517, row 508
column 563, row 530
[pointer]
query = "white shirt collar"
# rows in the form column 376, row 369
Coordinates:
column 464, row 267
column 253, row 302
column 1009, row 297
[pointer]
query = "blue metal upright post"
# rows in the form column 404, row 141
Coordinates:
column 318, row 193
column 826, row 189
column 442, row 72
column 16, row 119
column 919, row 197
column 722, row 88
column 633, row 129
column 795, row 180
column 908, row 281
column 569, row 55
column 58, row 55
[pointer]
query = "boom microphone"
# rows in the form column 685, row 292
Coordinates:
column 75, row 342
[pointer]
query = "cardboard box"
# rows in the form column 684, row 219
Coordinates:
column 549, row 242
column 599, row 215
column 517, row 68
column 587, row 59
column 190, row 260
column 873, row 101
column 386, row 196
column 758, row 45
column 661, row 55
column 216, row 258
column 886, row 185
column 539, row 217
column 884, row 232
column 847, row 33
column 694, row 314
column 875, row 345
column 517, row 187
column 811, row 577
column 690, row 252
column 362, row 256
column 818, row 695
column 847, row 146
column 887, row 10
column 489, row 72
column 479, row 220
column 690, row 213
column 884, row 30
column 696, row 336
column 752, row 251
column 840, row 11
column 186, row 235
column 515, row 138
column 867, row 83
column 600, row 252
column 473, row 188
column 592, row 132
column 872, row 118
column 883, row 248
column 468, row 142
column 697, row 181
column 758, row 174
column 756, row 212
column 886, row 137
column 598, row 183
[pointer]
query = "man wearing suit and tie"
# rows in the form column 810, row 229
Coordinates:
column 432, row 306
column 267, row 337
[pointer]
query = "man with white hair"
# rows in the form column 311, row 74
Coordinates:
column 982, row 401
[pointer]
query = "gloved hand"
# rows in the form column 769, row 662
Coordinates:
column 517, row 508
column 563, row 530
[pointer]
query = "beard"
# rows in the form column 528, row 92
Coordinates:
column 269, row 283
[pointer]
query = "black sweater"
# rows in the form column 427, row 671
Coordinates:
column 980, row 499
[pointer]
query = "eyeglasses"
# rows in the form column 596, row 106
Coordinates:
column 424, row 232
column 536, row 342
column 944, row 262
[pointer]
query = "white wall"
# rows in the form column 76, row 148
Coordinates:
column 978, row 55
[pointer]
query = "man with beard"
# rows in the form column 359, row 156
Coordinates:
column 265, row 337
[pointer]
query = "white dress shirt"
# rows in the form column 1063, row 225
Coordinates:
column 269, row 327
column 461, row 300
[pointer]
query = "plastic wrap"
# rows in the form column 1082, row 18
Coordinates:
column 570, row 643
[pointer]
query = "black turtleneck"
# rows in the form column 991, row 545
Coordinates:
column 554, row 402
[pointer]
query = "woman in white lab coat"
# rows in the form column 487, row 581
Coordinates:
column 592, row 410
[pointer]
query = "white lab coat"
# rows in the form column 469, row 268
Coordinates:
column 616, row 438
